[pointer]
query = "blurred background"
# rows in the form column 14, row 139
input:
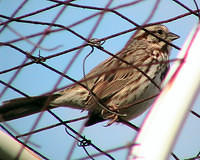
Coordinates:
column 47, row 28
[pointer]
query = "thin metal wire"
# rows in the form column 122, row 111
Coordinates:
column 83, row 138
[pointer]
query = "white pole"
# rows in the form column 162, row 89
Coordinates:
column 160, row 128
column 10, row 149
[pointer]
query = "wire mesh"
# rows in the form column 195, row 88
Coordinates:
column 48, row 45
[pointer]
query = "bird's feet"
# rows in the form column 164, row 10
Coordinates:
column 113, row 117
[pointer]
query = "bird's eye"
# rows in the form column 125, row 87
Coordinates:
column 160, row 31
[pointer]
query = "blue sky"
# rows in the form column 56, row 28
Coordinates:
column 35, row 79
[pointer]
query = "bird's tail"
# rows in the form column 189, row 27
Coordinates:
column 21, row 107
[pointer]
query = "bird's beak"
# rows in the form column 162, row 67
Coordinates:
column 172, row 36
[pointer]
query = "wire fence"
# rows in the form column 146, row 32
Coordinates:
column 46, row 46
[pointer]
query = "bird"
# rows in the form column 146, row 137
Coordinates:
column 122, row 86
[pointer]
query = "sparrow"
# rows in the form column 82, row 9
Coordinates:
column 121, row 86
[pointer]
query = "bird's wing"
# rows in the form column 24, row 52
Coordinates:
column 110, row 84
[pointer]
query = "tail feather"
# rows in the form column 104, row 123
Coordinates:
column 21, row 107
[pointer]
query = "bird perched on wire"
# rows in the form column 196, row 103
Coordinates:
column 122, row 86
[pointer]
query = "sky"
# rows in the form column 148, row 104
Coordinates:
column 35, row 79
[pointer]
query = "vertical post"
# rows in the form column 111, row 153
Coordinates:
column 160, row 128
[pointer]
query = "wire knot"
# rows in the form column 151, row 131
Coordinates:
column 84, row 143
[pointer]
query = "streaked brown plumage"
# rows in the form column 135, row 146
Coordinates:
column 117, row 87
